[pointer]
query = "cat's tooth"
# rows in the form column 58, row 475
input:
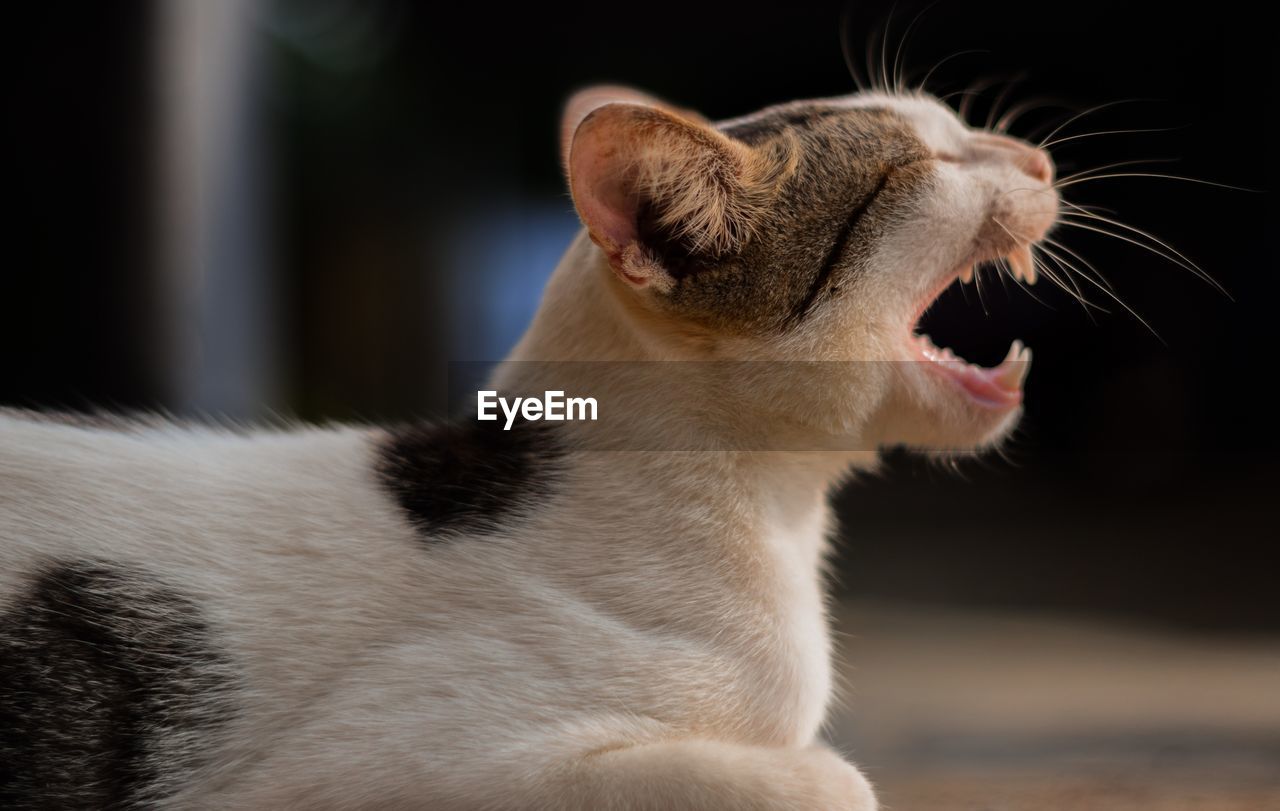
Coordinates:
column 966, row 275
column 1022, row 263
column 1015, row 366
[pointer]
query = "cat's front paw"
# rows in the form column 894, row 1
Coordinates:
column 835, row 784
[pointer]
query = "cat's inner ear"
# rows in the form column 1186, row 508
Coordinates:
column 657, row 188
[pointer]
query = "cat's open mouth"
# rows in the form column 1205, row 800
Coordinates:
column 999, row 386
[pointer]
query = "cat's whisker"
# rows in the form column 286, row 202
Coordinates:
column 900, row 52
column 869, row 61
column 1086, row 227
column 1068, row 111
column 1058, row 275
column 1079, row 136
column 1049, row 252
column 884, row 47
column 1073, row 289
column 1080, row 115
column 1002, row 271
column 1010, row 84
column 923, row 86
column 962, row 92
column 966, row 100
column 1076, row 180
column 977, row 285
column 1170, row 253
column 1062, row 273
column 846, row 49
column 1118, row 164
column 1066, row 281
column 1022, row 108
column 1038, row 264
column 1088, row 209
column 975, row 90
column 1069, row 272
column 1025, row 189
column 1087, row 306
column 1092, row 213
column 1097, row 273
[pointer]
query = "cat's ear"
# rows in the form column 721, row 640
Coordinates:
column 657, row 186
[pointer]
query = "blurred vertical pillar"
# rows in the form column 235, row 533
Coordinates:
column 213, row 255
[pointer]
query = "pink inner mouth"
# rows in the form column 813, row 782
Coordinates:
column 997, row 387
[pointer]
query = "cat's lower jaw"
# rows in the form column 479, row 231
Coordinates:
column 998, row 388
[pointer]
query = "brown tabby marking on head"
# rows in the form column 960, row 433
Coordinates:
column 853, row 168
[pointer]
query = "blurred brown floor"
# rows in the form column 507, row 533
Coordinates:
column 993, row 712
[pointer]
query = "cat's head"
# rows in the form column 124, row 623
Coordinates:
column 814, row 231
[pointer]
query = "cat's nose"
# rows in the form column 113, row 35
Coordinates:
column 1037, row 164
column 1033, row 162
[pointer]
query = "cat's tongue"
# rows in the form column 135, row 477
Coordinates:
column 999, row 386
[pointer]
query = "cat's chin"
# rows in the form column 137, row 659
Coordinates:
column 944, row 404
column 954, row 428
column 941, row 403
column 982, row 434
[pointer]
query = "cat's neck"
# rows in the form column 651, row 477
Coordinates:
column 656, row 390
column 591, row 337
column 748, row 527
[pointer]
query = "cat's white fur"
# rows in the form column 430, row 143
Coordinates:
column 655, row 638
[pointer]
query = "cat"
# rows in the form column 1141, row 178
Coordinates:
column 461, row 616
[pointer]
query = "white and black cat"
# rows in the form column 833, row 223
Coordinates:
column 462, row 617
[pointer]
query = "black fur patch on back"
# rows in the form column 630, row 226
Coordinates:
column 468, row 475
column 110, row 690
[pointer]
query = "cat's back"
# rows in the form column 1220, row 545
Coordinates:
column 170, row 594
column 154, row 490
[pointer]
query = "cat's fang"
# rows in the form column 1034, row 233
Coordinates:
column 1015, row 349
column 966, row 275
column 1023, row 264
column 1013, row 369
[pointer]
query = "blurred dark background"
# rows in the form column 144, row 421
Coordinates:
column 252, row 208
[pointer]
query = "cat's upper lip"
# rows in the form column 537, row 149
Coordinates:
column 1018, row 261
